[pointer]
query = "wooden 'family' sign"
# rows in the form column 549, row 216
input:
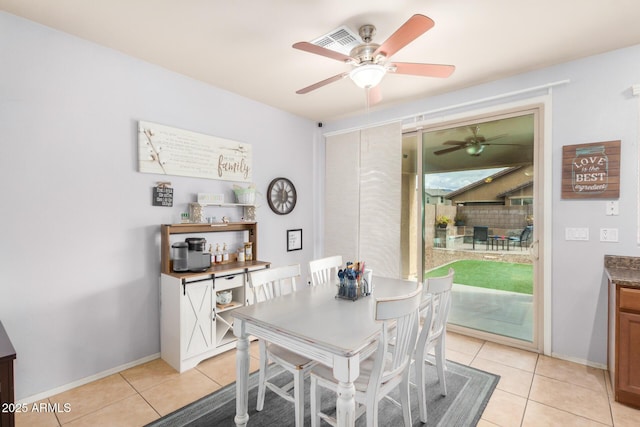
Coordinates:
column 591, row 171
column 171, row 151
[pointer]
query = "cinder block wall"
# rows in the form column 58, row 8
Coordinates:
column 497, row 217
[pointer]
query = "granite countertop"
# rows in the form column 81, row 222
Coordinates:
column 623, row 270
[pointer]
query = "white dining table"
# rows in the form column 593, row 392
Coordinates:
column 315, row 324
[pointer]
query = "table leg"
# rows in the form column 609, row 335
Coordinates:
column 242, row 374
column 346, row 404
column 346, row 371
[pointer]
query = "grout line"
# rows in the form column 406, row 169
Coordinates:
column 140, row 394
column 533, row 377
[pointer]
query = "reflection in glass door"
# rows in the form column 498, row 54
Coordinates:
column 478, row 210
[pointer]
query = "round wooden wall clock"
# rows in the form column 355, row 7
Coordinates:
column 281, row 196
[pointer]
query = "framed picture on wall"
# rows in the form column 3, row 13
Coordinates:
column 294, row 240
column 591, row 171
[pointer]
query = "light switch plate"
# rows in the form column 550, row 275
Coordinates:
column 574, row 233
column 608, row 234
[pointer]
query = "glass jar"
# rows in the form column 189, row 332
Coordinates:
column 248, row 251
column 196, row 213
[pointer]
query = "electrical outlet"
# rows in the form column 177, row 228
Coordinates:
column 608, row 234
column 612, row 207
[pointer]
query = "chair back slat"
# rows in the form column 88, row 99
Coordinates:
column 399, row 316
column 325, row 270
column 435, row 306
column 272, row 282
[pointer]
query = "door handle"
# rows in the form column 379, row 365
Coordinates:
column 534, row 249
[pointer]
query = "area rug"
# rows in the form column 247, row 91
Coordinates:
column 468, row 391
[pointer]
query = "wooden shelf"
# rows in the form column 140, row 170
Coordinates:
column 166, row 230
column 226, row 205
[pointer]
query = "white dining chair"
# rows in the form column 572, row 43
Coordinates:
column 434, row 311
column 265, row 285
column 386, row 369
column 325, row 270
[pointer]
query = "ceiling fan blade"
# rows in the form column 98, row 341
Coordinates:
column 426, row 70
column 408, row 32
column 493, row 138
column 455, row 143
column 322, row 83
column 312, row 48
column 374, row 95
column 448, row 150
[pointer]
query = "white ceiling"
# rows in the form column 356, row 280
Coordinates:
column 244, row 46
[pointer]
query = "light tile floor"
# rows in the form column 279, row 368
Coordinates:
column 534, row 390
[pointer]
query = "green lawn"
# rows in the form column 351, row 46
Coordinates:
column 503, row 276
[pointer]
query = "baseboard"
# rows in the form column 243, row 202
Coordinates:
column 580, row 361
column 87, row 380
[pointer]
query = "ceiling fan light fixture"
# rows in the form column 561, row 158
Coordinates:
column 474, row 149
column 368, row 75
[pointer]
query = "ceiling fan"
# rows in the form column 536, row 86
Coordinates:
column 473, row 145
column 369, row 60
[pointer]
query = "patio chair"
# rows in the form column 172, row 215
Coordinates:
column 480, row 234
column 524, row 238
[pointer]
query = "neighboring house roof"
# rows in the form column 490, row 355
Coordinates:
column 517, row 188
column 482, row 181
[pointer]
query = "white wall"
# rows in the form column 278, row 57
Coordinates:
column 79, row 253
column 597, row 105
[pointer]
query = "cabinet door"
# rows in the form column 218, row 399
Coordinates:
column 629, row 353
column 198, row 318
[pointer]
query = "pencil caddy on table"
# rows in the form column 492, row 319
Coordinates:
column 354, row 281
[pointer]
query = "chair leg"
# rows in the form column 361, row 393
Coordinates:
column 315, row 403
column 298, row 394
column 262, row 378
column 440, row 364
column 405, row 399
column 371, row 411
column 420, row 379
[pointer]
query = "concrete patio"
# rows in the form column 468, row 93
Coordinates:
column 503, row 313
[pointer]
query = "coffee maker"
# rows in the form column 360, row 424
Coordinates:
column 197, row 258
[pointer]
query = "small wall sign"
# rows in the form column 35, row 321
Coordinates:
column 162, row 195
column 591, row 171
column 294, row 240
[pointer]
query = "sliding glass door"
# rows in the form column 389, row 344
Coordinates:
column 473, row 193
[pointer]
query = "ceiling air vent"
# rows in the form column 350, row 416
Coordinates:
column 341, row 40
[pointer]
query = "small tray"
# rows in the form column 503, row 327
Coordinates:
column 229, row 305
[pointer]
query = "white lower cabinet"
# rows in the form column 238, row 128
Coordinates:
column 192, row 326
